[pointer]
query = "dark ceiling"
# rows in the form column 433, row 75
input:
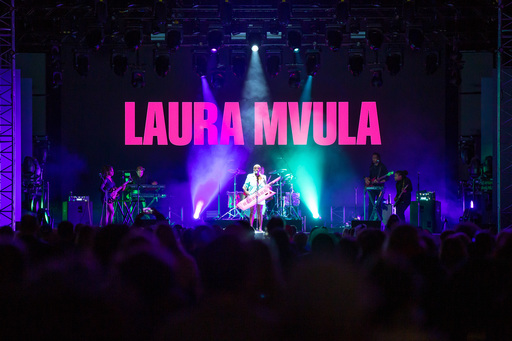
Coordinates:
column 463, row 24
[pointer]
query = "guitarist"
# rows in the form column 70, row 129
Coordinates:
column 375, row 183
column 403, row 193
column 110, row 191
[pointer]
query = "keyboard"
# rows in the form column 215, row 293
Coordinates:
column 146, row 187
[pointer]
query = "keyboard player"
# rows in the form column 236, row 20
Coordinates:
column 140, row 183
column 141, row 177
column 254, row 182
column 375, row 186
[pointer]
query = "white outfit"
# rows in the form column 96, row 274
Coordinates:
column 251, row 185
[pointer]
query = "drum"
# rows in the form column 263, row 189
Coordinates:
column 286, row 199
column 291, row 199
column 234, row 198
column 295, row 199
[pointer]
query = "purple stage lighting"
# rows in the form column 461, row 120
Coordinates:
column 198, row 209
column 208, row 170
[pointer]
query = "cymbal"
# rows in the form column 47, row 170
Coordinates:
column 278, row 171
column 288, row 177
column 236, row 171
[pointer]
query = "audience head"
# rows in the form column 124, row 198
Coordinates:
column 29, row 225
column 275, row 223
column 393, row 221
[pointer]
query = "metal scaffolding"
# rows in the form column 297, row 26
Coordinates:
column 7, row 121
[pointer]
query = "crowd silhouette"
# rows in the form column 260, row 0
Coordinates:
column 153, row 281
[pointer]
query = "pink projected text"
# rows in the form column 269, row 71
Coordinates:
column 197, row 123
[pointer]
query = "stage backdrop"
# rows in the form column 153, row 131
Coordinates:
column 188, row 135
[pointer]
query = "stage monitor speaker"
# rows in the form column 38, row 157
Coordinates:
column 77, row 212
column 387, row 210
column 430, row 215
column 372, row 224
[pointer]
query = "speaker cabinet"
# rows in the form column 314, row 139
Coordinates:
column 387, row 210
column 430, row 215
column 372, row 224
column 77, row 212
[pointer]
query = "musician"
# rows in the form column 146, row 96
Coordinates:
column 403, row 193
column 376, row 180
column 109, row 190
column 141, row 177
column 254, row 182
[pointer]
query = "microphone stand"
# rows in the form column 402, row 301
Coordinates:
column 256, row 208
column 138, row 198
column 418, row 201
column 104, row 204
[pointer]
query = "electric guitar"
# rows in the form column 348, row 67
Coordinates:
column 397, row 199
column 370, row 182
column 114, row 191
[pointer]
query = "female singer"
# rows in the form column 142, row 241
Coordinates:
column 254, row 182
column 109, row 190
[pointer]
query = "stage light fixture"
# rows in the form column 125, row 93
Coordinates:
column 254, row 39
column 487, row 167
column 312, row 62
column 431, row 62
column 94, row 38
column 217, row 79
column 294, row 37
column 466, row 147
column 162, row 9
column 140, row 3
column 415, row 38
column 101, row 11
column 356, row 62
column 342, row 11
column 475, row 167
column 375, row 38
column 161, row 62
column 239, row 64
column 334, row 38
column 133, row 38
column 284, row 13
column 215, row 38
column 57, row 79
column 56, row 65
column 200, row 61
column 394, row 62
column 173, row 39
column 119, row 63
column 377, row 78
column 294, row 78
column 273, row 63
column 138, row 78
column 81, row 63
column 198, row 209
column 226, row 13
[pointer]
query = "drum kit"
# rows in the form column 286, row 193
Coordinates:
column 285, row 203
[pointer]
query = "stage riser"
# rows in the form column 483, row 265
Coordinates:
column 224, row 223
